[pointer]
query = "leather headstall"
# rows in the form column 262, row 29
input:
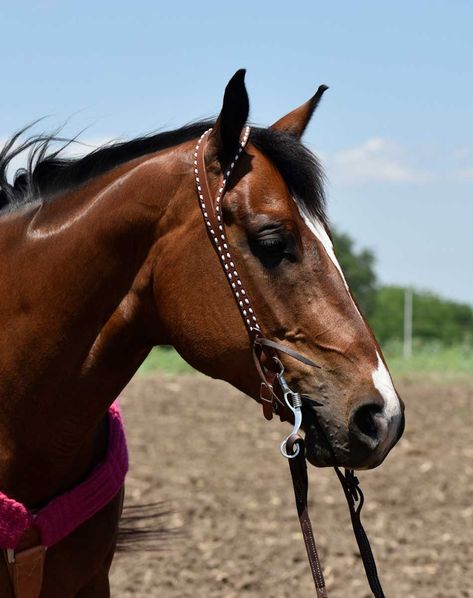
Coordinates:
column 265, row 351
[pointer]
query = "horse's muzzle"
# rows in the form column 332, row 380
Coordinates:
column 363, row 443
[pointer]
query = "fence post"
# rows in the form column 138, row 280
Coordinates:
column 408, row 323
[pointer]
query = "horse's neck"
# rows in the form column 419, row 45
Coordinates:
column 71, row 276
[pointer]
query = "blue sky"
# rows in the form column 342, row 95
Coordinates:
column 395, row 130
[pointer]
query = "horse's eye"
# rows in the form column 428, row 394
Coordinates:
column 270, row 248
column 273, row 244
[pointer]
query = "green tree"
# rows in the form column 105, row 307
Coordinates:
column 434, row 318
column 358, row 267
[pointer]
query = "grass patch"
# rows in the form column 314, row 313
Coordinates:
column 165, row 359
column 432, row 358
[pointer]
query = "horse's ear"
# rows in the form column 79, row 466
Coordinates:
column 232, row 118
column 295, row 122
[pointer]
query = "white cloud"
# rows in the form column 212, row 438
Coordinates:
column 375, row 160
column 463, row 160
column 466, row 174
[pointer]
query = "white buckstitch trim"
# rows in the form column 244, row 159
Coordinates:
column 223, row 250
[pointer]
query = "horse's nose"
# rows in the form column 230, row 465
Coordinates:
column 369, row 425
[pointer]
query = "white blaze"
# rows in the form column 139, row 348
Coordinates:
column 319, row 232
column 384, row 385
column 318, row 229
column 381, row 377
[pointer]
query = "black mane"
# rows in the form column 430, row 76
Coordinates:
column 49, row 173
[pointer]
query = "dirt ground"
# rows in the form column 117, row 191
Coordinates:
column 207, row 452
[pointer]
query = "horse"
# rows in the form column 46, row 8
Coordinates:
column 107, row 255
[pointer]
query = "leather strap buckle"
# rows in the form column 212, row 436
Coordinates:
column 266, row 396
column 26, row 570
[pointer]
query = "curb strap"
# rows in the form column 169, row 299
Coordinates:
column 270, row 369
column 354, row 495
column 298, row 467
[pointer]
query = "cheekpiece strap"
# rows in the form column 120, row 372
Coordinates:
column 212, row 213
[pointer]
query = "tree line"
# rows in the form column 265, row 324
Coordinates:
column 434, row 318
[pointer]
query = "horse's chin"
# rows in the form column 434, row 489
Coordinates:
column 318, row 453
column 318, row 450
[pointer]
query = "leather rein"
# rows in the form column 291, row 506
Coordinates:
column 271, row 372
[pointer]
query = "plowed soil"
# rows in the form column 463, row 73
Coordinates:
column 206, row 451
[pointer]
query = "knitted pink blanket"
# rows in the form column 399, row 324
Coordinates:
column 64, row 513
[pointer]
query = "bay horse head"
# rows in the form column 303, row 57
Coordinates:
column 277, row 232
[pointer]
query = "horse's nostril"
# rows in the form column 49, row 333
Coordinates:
column 364, row 421
column 367, row 424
